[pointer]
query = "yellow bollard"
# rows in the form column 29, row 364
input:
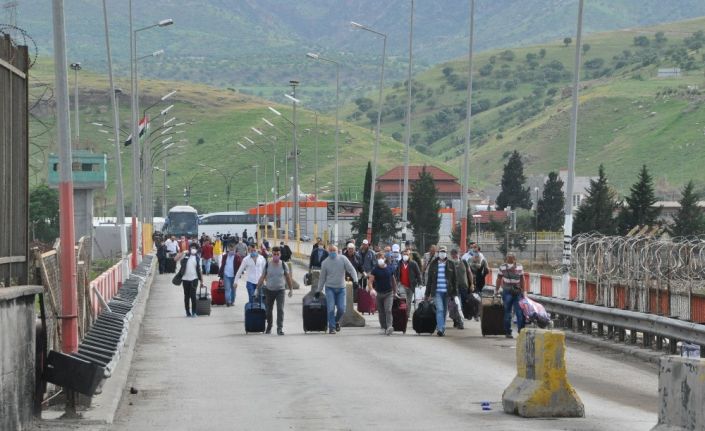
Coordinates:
column 541, row 388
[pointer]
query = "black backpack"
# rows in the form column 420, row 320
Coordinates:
column 424, row 319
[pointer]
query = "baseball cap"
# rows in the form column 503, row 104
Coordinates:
column 351, row 245
column 364, row 241
column 442, row 249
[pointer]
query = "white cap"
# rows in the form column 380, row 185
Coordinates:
column 395, row 248
column 364, row 241
column 351, row 245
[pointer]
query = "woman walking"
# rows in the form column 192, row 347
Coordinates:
column 191, row 275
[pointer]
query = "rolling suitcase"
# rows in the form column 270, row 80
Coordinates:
column 170, row 265
column 365, row 302
column 471, row 307
column 492, row 320
column 400, row 314
column 215, row 268
column 203, row 302
column 315, row 313
column 255, row 316
column 424, row 319
column 217, row 292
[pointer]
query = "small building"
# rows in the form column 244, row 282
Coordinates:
column 669, row 209
column 669, row 72
column 391, row 183
column 581, row 185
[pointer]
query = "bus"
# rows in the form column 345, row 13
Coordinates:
column 227, row 223
column 182, row 220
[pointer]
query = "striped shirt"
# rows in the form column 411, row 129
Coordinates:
column 441, row 284
column 511, row 276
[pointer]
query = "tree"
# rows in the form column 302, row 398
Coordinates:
column 660, row 38
column 383, row 222
column 364, row 103
column 550, row 208
column 640, row 208
column 367, row 190
column 596, row 212
column 567, row 41
column 423, row 210
column 642, row 41
column 689, row 220
column 44, row 213
column 507, row 239
column 513, row 192
column 586, row 48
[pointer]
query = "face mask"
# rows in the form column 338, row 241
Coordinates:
column 395, row 255
column 193, row 251
column 332, row 254
column 253, row 254
column 380, row 262
column 442, row 255
column 275, row 259
column 405, row 258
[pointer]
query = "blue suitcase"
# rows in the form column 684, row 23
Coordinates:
column 255, row 316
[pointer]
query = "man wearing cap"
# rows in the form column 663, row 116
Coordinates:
column 352, row 256
column 367, row 260
column 394, row 258
column 441, row 286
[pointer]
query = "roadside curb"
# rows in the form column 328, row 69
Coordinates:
column 650, row 356
column 105, row 405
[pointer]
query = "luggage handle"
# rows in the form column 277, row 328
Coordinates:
column 202, row 287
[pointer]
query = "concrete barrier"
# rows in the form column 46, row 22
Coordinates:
column 681, row 389
column 352, row 318
column 541, row 388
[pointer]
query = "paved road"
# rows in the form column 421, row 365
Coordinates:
column 205, row 373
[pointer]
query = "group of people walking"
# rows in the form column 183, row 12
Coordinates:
column 449, row 280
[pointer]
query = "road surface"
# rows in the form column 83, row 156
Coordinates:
column 206, row 374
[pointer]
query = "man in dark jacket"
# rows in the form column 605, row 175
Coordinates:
column 409, row 275
column 441, row 285
column 285, row 251
column 318, row 255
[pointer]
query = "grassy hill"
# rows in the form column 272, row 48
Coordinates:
column 521, row 100
column 220, row 119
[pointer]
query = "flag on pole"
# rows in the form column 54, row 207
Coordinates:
column 142, row 127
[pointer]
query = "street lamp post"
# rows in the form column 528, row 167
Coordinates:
column 76, row 67
column 536, row 221
column 407, row 138
column 297, row 211
column 275, row 193
column 468, row 136
column 337, row 133
column 568, row 222
column 379, row 123
column 257, row 236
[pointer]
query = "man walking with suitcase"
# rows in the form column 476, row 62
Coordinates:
column 332, row 277
column 511, row 280
column 441, row 286
column 409, row 275
column 229, row 266
column 253, row 264
column 277, row 277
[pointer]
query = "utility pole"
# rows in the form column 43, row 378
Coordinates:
column 407, row 138
column 568, row 223
column 135, row 147
column 76, row 67
column 67, row 264
column 297, row 211
column 468, row 136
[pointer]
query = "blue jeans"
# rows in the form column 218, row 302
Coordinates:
column 206, row 266
column 229, row 289
column 511, row 302
column 441, row 301
column 251, row 287
column 335, row 297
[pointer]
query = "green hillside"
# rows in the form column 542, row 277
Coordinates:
column 221, row 118
column 521, row 100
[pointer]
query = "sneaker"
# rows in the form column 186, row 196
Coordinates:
column 337, row 327
column 509, row 336
column 477, row 318
column 441, row 333
column 332, row 331
column 188, row 314
column 390, row 331
column 280, row 331
column 269, row 330
column 382, row 331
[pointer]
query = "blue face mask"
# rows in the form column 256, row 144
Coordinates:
column 333, row 254
column 253, row 254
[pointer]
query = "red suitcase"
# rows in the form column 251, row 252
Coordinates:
column 400, row 314
column 365, row 302
column 217, row 292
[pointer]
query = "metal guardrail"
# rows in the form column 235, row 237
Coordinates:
column 658, row 332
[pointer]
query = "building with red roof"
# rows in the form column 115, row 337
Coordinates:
column 391, row 183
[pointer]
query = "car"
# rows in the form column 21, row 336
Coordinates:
column 304, row 237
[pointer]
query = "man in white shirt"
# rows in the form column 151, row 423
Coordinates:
column 172, row 247
column 254, row 265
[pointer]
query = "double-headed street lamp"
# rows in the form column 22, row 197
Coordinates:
column 274, row 177
column 135, row 130
column 337, row 133
column 379, row 123
column 76, row 67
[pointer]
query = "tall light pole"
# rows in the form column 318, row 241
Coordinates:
column 337, row 133
column 286, row 166
column 297, row 218
column 536, row 221
column 76, row 67
column 275, row 196
column 114, row 92
column 468, row 136
column 407, row 138
column 257, row 237
column 379, row 123
column 135, row 131
column 568, row 223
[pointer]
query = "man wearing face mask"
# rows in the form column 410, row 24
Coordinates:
column 332, row 278
column 409, row 276
column 511, row 280
column 428, row 257
column 253, row 264
column 441, row 285
column 190, row 271
column 318, row 255
column 382, row 281
column 276, row 274
column 366, row 257
column 229, row 265
column 394, row 258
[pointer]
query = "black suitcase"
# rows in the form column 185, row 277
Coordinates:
column 255, row 316
column 215, row 268
column 424, row 319
column 492, row 320
column 203, row 302
column 471, row 307
column 315, row 313
column 170, row 265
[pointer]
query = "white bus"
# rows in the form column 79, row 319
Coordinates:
column 230, row 223
column 181, row 221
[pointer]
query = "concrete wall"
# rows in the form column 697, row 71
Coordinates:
column 17, row 350
column 106, row 241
